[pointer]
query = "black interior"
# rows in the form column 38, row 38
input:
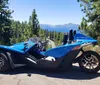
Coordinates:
column 35, row 51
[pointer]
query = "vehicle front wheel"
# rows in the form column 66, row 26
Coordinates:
column 4, row 64
column 90, row 62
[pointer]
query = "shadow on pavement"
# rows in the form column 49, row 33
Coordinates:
column 75, row 73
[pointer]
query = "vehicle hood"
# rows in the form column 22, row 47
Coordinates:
column 18, row 47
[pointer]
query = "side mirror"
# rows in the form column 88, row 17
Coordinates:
column 25, row 46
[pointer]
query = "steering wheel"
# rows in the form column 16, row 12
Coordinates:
column 41, row 45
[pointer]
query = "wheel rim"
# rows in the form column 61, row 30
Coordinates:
column 89, row 62
column 2, row 62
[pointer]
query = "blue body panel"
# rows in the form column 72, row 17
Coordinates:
column 18, row 47
column 83, row 38
column 11, row 48
column 60, row 51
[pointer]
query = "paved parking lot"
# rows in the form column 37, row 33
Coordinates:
column 22, row 76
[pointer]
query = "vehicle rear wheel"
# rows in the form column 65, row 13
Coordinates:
column 90, row 62
column 4, row 64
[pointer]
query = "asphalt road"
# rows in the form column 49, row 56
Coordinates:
column 23, row 76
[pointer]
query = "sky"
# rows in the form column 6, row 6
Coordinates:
column 52, row 12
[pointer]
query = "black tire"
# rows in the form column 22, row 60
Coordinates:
column 4, row 64
column 89, row 58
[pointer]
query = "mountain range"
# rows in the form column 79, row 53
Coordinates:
column 60, row 28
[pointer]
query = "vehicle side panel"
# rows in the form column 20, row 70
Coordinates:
column 60, row 51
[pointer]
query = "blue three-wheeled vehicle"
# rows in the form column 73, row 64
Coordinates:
column 60, row 58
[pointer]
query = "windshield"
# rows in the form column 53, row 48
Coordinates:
column 35, row 39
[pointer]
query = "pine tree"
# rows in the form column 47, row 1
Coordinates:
column 34, row 24
column 83, row 25
column 5, row 22
column 92, row 10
